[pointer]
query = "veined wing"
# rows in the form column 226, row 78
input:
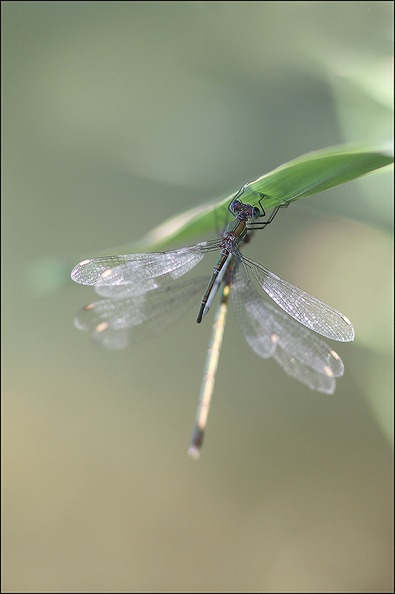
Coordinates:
column 300, row 352
column 303, row 355
column 115, row 323
column 135, row 274
column 306, row 309
column 253, row 322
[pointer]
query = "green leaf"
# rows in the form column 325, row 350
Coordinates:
column 302, row 177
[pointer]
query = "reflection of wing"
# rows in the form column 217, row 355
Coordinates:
column 135, row 274
column 300, row 352
column 306, row 309
column 115, row 323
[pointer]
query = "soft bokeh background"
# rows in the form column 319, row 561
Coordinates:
column 119, row 115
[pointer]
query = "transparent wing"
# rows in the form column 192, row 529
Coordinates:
column 303, row 355
column 306, row 309
column 311, row 378
column 116, row 323
column 253, row 322
column 300, row 352
column 135, row 274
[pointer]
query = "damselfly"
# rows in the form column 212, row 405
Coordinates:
column 141, row 300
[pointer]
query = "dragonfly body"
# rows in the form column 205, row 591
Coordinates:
column 233, row 235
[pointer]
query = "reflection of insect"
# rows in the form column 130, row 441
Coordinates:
column 140, row 301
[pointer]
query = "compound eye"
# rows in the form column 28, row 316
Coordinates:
column 237, row 206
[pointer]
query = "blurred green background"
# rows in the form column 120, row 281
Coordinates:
column 117, row 116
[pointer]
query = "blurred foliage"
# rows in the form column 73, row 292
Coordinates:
column 116, row 116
